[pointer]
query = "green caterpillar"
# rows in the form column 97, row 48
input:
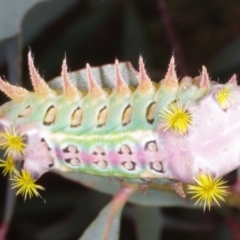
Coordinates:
column 114, row 121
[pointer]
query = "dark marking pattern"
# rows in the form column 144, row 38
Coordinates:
column 50, row 116
column 45, row 143
column 70, row 148
column 102, row 164
column 73, row 161
column 151, row 112
column 127, row 115
column 51, row 165
column 25, row 112
column 102, row 117
column 151, row 146
column 71, row 155
column 156, row 166
column 76, row 118
column 99, row 150
column 125, row 149
column 129, row 165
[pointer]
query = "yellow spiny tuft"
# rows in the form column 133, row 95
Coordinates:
column 177, row 118
column 25, row 184
column 9, row 166
column 223, row 96
column 208, row 190
column 12, row 141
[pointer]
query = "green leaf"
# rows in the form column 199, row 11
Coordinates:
column 106, row 225
column 226, row 59
column 96, row 229
column 84, row 208
column 34, row 22
column 30, row 23
column 154, row 197
column 77, row 34
column 11, row 15
column 149, row 223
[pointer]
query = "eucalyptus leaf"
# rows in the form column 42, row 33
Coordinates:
column 34, row 22
column 77, row 34
column 161, row 196
column 99, row 224
column 11, row 15
column 106, row 225
column 31, row 22
column 227, row 59
column 224, row 232
column 149, row 222
column 79, row 216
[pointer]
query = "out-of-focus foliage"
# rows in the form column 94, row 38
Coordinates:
column 98, row 32
column 157, row 195
column 11, row 15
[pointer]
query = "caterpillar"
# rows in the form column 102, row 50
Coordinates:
column 113, row 121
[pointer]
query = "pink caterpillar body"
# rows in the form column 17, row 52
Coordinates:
column 114, row 121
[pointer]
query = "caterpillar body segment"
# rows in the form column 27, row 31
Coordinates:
column 114, row 121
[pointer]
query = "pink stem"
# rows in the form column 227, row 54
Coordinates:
column 117, row 204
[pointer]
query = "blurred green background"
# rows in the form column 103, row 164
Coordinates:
column 197, row 32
